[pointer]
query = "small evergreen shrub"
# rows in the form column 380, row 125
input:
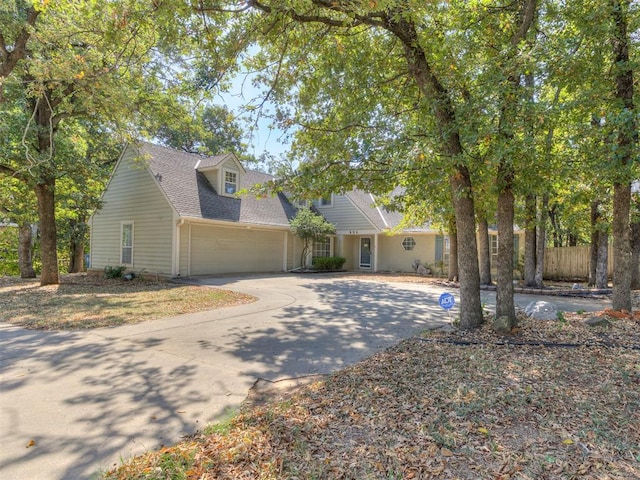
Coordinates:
column 328, row 264
column 114, row 272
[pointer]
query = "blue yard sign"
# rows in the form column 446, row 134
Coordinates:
column 447, row 301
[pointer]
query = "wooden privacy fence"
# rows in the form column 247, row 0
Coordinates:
column 571, row 262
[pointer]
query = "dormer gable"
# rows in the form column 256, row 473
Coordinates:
column 224, row 173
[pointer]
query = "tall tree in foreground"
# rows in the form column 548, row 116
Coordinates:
column 599, row 250
column 513, row 75
column 387, row 76
column 77, row 60
column 635, row 237
column 625, row 153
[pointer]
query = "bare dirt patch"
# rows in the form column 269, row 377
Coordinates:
column 83, row 301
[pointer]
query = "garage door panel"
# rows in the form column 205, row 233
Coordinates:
column 234, row 250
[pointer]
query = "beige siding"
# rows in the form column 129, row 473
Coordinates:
column 347, row 247
column 392, row 257
column 294, row 250
column 345, row 216
column 219, row 249
column 133, row 196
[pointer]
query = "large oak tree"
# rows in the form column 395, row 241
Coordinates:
column 62, row 61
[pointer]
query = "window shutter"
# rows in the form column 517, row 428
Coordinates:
column 439, row 247
column 516, row 249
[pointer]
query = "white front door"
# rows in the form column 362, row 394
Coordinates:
column 365, row 252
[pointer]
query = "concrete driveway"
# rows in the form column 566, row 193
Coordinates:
column 91, row 399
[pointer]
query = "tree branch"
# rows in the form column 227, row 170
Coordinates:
column 10, row 57
column 527, row 16
column 356, row 20
column 6, row 170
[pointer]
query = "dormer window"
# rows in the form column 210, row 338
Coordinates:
column 230, row 182
column 224, row 173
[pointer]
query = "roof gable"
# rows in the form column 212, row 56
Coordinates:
column 217, row 162
column 378, row 215
column 184, row 181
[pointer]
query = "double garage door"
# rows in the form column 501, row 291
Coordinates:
column 216, row 250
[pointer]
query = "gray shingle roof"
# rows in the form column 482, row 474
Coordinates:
column 191, row 194
column 214, row 161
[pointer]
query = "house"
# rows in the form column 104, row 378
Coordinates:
column 365, row 235
column 368, row 236
column 169, row 213
column 173, row 214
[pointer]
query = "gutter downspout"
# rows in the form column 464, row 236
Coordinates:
column 176, row 256
column 189, row 251
column 375, row 252
column 284, row 253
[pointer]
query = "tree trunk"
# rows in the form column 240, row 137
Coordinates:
column 453, row 251
column 541, row 240
column 470, row 305
column 555, row 227
column 572, row 240
column 76, row 259
column 460, row 176
column 621, row 298
column 602, row 260
column 45, row 187
column 505, row 306
column 593, row 251
column 530, row 241
column 76, row 254
column 25, row 251
column 484, row 248
column 623, row 157
column 635, row 244
column 76, row 246
column 48, row 237
column 305, row 253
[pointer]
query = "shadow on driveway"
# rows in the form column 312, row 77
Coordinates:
column 87, row 398
column 350, row 320
column 78, row 398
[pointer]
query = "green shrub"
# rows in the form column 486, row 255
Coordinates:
column 328, row 264
column 9, row 251
column 114, row 272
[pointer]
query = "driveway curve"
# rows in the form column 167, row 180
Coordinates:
column 73, row 404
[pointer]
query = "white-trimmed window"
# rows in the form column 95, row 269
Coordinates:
column 494, row 245
column 408, row 243
column 126, row 243
column 230, row 182
column 446, row 249
column 321, row 248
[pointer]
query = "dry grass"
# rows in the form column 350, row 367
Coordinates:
column 452, row 405
column 82, row 301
